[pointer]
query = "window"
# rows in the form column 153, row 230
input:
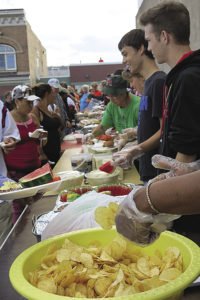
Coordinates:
column 7, row 58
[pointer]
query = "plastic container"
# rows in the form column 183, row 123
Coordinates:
column 100, row 159
column 98, row 177
column 79, row 138
column 82, row 162
column 30, row 259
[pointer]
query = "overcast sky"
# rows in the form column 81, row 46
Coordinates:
column 78, row 31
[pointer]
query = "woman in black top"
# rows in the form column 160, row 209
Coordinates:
column 49, row 120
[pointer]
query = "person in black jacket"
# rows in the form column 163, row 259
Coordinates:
column 167, row 30
column 168, row 39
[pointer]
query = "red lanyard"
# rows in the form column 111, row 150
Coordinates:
column 165, row 106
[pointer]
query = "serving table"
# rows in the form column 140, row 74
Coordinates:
column 64, row 164
column 23, row 238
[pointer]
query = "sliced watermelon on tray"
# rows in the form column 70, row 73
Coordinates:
column 73, row 194
column 81, row 190
column 107, row 167
column 115, row 189
column 39, row 176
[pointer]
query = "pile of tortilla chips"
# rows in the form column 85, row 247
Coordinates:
column 110, row 271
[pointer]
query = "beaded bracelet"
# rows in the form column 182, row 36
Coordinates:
column 148, row 198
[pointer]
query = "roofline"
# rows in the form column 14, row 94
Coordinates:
column 12, row 10
column 96, row 64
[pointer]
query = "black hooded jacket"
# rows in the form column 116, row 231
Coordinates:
column 181, row 127
column 181, row 130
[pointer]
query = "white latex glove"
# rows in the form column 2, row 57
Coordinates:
column 126, row 157
column 131, row 133
column 175, row 167
column 119, row 143
column 87, row 138
column 137, row 226
column 123, row 136
column 120, row 140
column 111, row 131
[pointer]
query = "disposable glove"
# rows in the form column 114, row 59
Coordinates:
column 131, row 133
column 125, row 158
column 123, row 136
column 137, row 226
column 175, row 167
column 111, row 131
column 88, row 137
column 119, row 143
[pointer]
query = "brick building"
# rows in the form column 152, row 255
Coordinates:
column 86, row 73
column 22, row 56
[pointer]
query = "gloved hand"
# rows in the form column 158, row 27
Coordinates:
column 123, row 136
column 175, row 167
column 126, row 157
column 111, row 131
column 131, row 133
column 87, row 138
column 119, row 143
column 137, row 226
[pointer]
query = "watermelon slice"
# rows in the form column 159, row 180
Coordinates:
column 107, row 167
column 39, row 176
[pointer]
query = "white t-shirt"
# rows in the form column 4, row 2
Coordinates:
column 70, row 101
column 10, row 130
column 52, row 108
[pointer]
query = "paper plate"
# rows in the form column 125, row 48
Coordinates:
column 68, row 178
column 101, row 149
column 97, row 147
column 29, row 192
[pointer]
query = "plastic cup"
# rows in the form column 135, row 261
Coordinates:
column 81, row 162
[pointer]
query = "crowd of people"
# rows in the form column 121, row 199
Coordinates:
column 162, row 110
column 49, row 106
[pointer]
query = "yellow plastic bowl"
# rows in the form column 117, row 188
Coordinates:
column 30, row 259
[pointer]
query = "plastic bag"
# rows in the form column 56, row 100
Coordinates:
column 78, row 214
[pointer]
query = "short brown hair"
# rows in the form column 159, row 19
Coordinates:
column 135, row 39
column 173, row 17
